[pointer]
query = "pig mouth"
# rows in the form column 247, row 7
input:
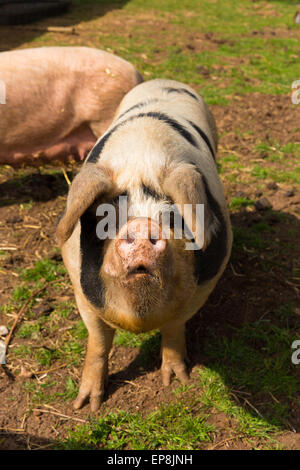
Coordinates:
column 139, row 271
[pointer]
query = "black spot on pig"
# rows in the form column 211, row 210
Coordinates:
column 91, row 248
column 209, row 261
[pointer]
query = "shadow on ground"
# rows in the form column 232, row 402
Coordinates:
column 12, row 36
column 23, row 441
column 33, row 187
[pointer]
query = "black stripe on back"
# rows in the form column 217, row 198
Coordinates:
column 181, row 90
column 174, row 124
column 209, row 261
column 204, row 137
column 142, row 104
column 91, row 248
column 97, row 149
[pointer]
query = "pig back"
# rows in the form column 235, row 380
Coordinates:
column 51, row 91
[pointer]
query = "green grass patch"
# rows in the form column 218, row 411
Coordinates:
column 47, row 391
column 64, row 309
column 250, row 239
column 33, row 279
column 23, row 350
column 148, row 344
column 230, row 159
column 171, row 427
column 46, row 270
column 217, row 396
column 280, row 176
column 29, row 330
column 256, row 359
column 275, row 152
column 79, row 330
column 45, row 356
column 132, row 340
column 238, row 203
column 21, row 293
column 259, row 172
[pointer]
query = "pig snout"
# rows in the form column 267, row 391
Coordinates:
column 140, row 246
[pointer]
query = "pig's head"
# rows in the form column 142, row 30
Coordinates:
column 144, row 275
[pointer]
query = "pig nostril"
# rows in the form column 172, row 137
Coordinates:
column 153, row 241
column 141, row 269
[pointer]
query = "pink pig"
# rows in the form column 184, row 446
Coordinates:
column 56, row 101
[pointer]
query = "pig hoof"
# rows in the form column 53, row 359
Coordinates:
column 179, row 370
column 94, row 398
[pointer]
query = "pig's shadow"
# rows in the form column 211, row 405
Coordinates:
column 245, row 330
column 12, row 36
column 33, row 187
column 23, row 441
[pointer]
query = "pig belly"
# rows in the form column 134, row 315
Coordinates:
column 75, row 146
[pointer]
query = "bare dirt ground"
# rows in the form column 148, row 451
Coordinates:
column 244, row 293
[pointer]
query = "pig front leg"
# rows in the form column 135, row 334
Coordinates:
column 95, row 369
column 173, row 351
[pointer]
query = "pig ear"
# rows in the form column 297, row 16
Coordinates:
column 186, row 187
column 92, row 181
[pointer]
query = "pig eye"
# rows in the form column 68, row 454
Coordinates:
column 153, row 241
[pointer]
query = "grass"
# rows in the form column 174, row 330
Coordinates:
column 44, row 270
column 148, row 344
column 72, row 345
column 280, row 176
column 171, row 427
column 265, row 348
column 267, row 374
column 45, row 392
column 283, row 162
column 250, row 239
column 275, row 152
column 238, row 203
